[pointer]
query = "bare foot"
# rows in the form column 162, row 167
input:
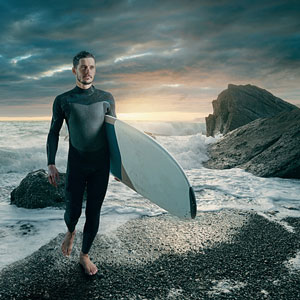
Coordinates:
column 88, row 266
column 67, row 244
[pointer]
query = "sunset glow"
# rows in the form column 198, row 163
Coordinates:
column 43, row 118
column 167, row 61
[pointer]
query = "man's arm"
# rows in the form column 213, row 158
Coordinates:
column 112, row 108
column 52, row 141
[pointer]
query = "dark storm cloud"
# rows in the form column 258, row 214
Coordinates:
column 249, row 39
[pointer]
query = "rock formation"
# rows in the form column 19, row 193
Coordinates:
column 240, row 105
column 268, row 147
column 35, row 191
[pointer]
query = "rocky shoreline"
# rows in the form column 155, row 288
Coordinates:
column 261, row 133
column 229, row 254
column 265, row 147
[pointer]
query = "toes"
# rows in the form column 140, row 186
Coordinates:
column 63, row 249
column 89, row 269
column 94, row 271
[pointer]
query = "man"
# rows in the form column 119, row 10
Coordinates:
column 83, row 108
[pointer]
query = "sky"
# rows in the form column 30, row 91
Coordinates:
column 161, row 60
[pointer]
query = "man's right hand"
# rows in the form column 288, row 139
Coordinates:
column 53, row 176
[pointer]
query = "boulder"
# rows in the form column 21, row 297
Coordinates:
column 240, row 105
column 268, row 147
column 35, row 191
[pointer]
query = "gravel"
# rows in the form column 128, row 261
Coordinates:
column 229, row 254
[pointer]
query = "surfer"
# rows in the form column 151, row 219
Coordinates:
column 83, row 108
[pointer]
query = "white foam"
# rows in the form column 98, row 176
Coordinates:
column 170, row 128
column 23, row 231
column 235, row 188
column 189, row 151
column 175, row 293
column 23, row 149
column 293, row 264
column 225, row 286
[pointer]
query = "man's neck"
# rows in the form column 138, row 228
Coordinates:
column 83, row 86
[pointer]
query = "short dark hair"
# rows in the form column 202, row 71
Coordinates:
column 82, row 54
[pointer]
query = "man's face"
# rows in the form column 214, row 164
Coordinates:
column 85, row 71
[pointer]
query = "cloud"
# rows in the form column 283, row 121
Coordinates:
column 145, row 46
column 51, row 72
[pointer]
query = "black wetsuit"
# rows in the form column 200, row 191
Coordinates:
column 88, row 157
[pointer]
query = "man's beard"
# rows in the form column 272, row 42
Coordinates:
column 84, row 82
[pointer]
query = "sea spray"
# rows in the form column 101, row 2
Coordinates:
column 23, row 149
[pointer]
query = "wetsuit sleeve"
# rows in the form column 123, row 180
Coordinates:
column 53, row 136
column 112, row 109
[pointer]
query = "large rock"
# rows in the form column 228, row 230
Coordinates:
column 267, row 147
column 35, row 191
column 240, row 105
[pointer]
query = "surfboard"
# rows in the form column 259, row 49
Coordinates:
column 141, row 163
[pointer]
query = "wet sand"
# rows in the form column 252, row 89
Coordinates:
column 220, row 255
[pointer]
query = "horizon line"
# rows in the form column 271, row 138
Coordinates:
column 170, row 116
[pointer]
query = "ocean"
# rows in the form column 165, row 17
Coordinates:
column 23, row 149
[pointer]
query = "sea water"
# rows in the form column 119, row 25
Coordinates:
column 23, row 149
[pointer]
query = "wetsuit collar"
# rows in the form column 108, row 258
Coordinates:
column 88, row 91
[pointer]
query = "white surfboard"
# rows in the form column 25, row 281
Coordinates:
column 144, row 165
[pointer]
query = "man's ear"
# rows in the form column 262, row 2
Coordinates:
column 74, row 71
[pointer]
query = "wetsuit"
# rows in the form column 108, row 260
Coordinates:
column 88, row 157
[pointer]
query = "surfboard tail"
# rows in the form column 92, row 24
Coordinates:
column 193, row 203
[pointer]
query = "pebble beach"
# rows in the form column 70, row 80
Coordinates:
column 230, row 254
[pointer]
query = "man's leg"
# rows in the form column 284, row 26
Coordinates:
column 74, row 189
column 96, row 189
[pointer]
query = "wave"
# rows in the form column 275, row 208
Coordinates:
column 170, row 128
column 23, row 144
column 27, row 159
column 190, row 151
